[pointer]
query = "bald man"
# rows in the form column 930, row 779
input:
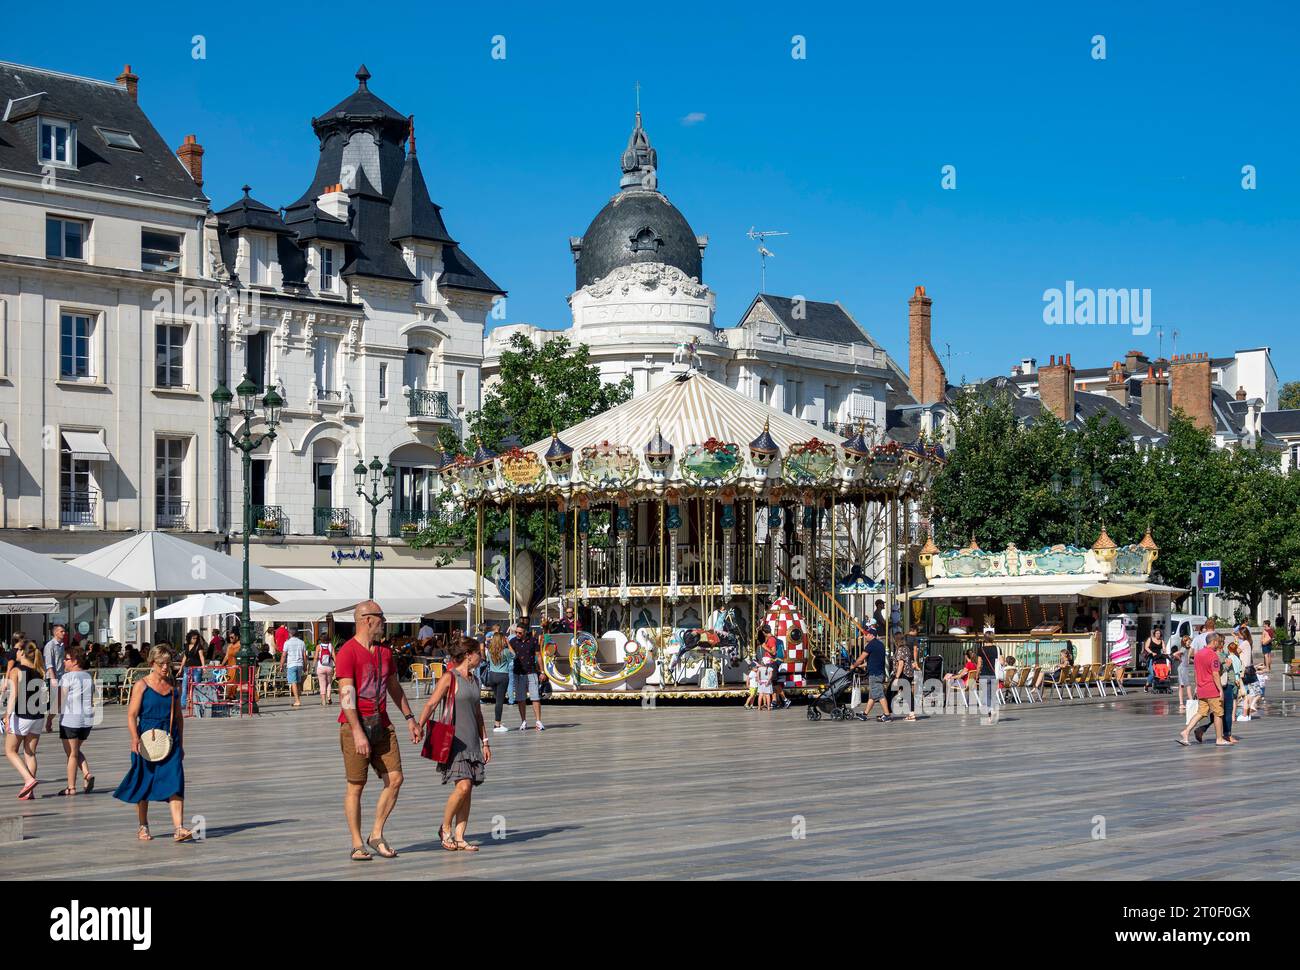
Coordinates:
column 367, row 677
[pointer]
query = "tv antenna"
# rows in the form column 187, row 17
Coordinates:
column 763, row 253
column 950, row 355
column 1174, row 345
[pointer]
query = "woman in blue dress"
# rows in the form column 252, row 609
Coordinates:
column 155, row 704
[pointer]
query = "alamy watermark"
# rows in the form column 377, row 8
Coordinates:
column 1084, row 306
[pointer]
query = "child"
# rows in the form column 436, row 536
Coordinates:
column 77, row 714
column 751, row 679
column 765, row 687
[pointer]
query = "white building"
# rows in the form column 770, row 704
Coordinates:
column 640, row 299
column 107, row 344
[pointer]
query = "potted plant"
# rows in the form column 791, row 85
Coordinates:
column 268, row 527
column 410, row 528
column 338, row 524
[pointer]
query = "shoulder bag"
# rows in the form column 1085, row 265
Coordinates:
column 442, row 730
column 156, row 744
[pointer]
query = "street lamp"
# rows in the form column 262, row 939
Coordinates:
column 379, row 477
column 245, row 442
column 1076, row 497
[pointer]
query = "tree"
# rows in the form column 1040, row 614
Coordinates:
column 539, row 390
column 1289, row 397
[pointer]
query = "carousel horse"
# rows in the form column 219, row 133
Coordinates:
column 584, row 654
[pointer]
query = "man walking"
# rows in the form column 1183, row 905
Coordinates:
column 282, row 634
column 367, row 677
column 293, row 662
column 1208, row 696
column 53, row 656
column 872, row 659
column 986, row 657
column 528, row 676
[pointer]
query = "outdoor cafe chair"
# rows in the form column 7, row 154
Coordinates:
column 420, row 675
column 1035, row 684
column 1106, row 676
column 1117, row 679
column 1064, row 682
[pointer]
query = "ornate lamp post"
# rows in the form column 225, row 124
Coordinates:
column 245, row 442
column 1076, row 495
column 379, row 477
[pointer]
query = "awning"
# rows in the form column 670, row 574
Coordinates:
column 406, row 610
column 5, row 450
column 406, row 594
column 306, row 610
column 1007, row 586
column 18, row 605
column 85, row 446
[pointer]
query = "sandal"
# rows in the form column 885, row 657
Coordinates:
column 143, row 834
column 26, row 792
column 68, row 791
column 464, row 846
column 359, row 854
column 382, row 848
column 448, row 842
column 182, row 834
column 90, row 784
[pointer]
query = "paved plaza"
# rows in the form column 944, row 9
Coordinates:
column 696, row 791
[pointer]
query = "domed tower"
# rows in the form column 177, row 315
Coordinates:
column 639, row 267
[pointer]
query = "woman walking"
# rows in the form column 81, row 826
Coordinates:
column 470, row 749
column 25, row 711
column 501, row 661
column 1266, row 638
column 76, row 715
column 325, row 672
column 157, row 772
column 1232, row 668
column 1153, row 653
column 193, row 657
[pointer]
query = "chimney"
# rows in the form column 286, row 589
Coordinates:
column 1134, row 361
column 1056, row 387
column 1155, row 399
column 1117, row 383
column 925, row 377
column 1190, row 374
column 1241, row 393
column 334, row 202
column 1029, row 366
column 191, row 155
column 129, row 81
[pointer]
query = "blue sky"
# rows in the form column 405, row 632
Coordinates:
column 1124, row 172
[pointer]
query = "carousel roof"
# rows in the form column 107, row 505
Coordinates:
column 690, row 409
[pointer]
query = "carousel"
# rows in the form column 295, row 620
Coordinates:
column 677, row 519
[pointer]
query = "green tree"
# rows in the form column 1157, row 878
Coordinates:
column 1289, row 398
column 539, row 390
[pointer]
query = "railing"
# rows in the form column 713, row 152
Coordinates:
column 644, row 568
column 172, row 514
column 78, row 508
column 332, row 522
column 403, row 523
column 428, row 404
column 268, row 520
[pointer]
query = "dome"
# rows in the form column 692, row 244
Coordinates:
column 639, row 225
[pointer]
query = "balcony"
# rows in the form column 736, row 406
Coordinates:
column 333, row 522
column 269, row 520
column 403, row 524
column 428, row 408
column 78, row 508
column 172, row 514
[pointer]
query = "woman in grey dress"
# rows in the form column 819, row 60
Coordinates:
column 471, row 750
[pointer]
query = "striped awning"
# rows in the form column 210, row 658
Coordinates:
column 689, row 410
column 85, row 445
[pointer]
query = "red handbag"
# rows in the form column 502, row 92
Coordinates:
column 437, row 743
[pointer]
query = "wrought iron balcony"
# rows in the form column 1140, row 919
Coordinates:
column 332, row 522
column 78, row 508
column 268, row 520
column 428, row 404
column 403, row 524
column 172, row 514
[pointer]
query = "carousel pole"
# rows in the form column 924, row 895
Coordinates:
column 753, row 572
column 891, row 540
column 574, row 583
column 478, row 558
column 660, row 544
column 510, row 563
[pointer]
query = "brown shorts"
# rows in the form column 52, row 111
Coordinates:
column 1212, row 705
column 384, row 757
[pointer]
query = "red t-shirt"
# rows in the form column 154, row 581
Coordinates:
column 369, row 674
column 281, row 636
column 1207, row 673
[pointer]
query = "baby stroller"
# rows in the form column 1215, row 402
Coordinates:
column 1160, row 682
column 825, row 703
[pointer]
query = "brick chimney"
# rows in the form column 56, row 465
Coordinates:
column 334, row 202
column 1056, row 387
column 130, row 81
column 1190, row 376
column 1117, row 383
column 925, row 377
column 1155, row 399
column 1134, row 361
column 1241, row 393
column 191, row 155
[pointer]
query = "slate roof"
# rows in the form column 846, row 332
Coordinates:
column 819, row 321
column 154, row 169
column 415, row 215
column 1283, row 423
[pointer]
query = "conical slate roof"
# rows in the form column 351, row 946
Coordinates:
column 858, row 444
column 658, row 445
column 558, row 449
column 764, row 444
column 690, row 409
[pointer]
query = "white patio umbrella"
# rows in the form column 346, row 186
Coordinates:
column 27, row 573
column 201, row 604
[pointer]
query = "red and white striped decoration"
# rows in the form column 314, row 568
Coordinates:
column 782, row 617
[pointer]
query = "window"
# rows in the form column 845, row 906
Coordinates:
column 58, row 142
column 1295, row 456
column 460, row 389
column 424, row 270
column 327, row 269
column 169, row 500
column 160, row 251
column 65, row 238
column 77, row 493
column 256, row 361
column 75, row 332
column 383, row 382
column 169, row 361
column 414, row 368
column 118, row 139
column 326, row 356
column 257, row 260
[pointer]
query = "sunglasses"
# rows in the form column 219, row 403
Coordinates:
column 380, row 615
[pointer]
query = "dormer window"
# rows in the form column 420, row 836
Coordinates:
column 115, row 138
column 58, row 145
column 327, row 277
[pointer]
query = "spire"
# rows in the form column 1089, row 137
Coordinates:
column 362, row 77
column 410, row 135
column 639, row 160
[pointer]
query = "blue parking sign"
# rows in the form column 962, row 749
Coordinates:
column 1209, row 575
